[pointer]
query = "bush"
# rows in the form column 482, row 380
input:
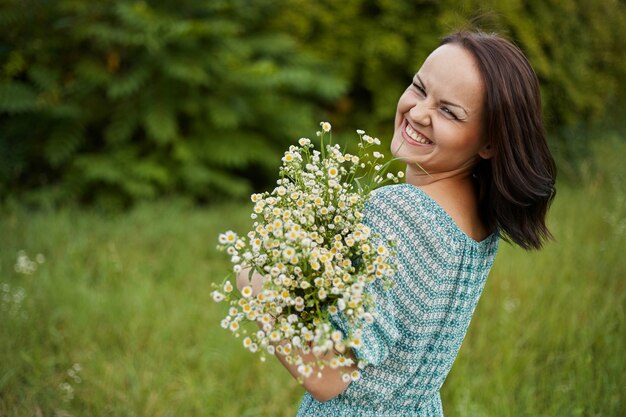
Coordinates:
column 116, row 101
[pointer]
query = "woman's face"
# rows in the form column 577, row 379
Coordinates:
column 439, row 117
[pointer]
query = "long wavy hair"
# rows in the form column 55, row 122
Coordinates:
column 517, row 185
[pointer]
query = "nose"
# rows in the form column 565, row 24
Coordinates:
column 420, row 113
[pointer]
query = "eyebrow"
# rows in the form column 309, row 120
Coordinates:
column 446, row 102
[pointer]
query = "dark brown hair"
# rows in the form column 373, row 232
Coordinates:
column 515, row 186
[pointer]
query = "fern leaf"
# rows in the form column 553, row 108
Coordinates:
column 16, row 97
column 94, row 168
column 224, row 114
column 202, row 181
column 150, row 171
column 44, row 78
column 236, row 149
column 92, row 72
column 15, row 64
column 229, row 184
column 160, row 123
column 63, row 143
column 122, row 126
column 188, row 73
column 129, row 83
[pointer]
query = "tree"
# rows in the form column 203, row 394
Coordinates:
column 120, row 100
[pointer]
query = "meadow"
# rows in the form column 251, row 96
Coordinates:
column 110, row 314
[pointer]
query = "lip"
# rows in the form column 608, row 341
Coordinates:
column 408, row 138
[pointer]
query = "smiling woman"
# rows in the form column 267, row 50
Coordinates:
column 439, row 133
column 469, row 128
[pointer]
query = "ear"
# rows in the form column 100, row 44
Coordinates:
column 486, row 152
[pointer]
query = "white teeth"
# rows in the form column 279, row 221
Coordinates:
column 416, row 136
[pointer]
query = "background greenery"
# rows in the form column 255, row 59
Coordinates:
column 158, row 106
column 118, row 101
column 127, row 297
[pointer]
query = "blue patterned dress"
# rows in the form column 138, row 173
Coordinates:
column 421, row 321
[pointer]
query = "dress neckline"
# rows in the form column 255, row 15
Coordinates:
column 449, row 219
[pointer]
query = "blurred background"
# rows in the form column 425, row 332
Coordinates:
column 132, row 132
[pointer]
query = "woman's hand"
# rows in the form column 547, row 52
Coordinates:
column 248, row 277
column 323, row 384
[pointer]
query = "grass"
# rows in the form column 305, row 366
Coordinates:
column 127, row 297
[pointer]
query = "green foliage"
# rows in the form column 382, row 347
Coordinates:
column 119, row 100
column 204, row 95
column 127, row 297
column 575, row 47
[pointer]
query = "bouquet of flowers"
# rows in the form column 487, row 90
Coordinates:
column 314, row 253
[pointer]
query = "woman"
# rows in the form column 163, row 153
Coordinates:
column 469, row 128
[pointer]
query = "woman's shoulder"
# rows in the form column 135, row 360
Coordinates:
column 396, row 200
column 402, row 207
column 403, row 200
column 460, row 202
column 409, row 209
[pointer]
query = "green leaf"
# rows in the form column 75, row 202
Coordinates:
column 123, row 124
column 188, row 73
column 129, row 83
column 160, row 123
column 17, row 97
column 151, row 171
column 201, row 180
column 63, row 142
column 45, row 78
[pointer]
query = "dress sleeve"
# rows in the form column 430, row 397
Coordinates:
column 377, row 337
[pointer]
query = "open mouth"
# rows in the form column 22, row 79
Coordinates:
column 414, row 137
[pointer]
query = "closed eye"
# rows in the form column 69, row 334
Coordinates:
column 449, row 113
column 419, row 88
column 444, row 108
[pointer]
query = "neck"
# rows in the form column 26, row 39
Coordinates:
column 418, row 177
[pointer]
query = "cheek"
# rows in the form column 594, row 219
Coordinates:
column 473, row 137
column 398, row 148
column 404, row 105
column 470, row 142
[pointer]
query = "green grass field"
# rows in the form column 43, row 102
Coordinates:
column 117, row 320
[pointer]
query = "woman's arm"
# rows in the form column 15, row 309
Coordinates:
column 322, row 384
column 245, row 279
